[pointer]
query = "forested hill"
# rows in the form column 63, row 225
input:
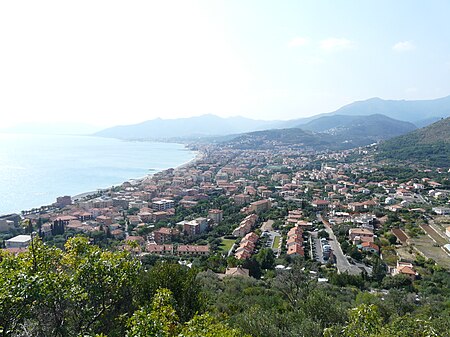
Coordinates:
column 375, row 126
column 430, row 145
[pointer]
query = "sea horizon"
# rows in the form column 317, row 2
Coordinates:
column 35, row 169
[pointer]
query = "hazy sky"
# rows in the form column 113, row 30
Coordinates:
column 122, row 62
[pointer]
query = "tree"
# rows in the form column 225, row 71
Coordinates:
column 265, row 258
column 161, row 320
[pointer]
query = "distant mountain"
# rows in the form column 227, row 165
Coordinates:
column 419, row 112
column 348, row 119
column 376, row 127
column 430, row 145
column 201, row 126
column 411, row 111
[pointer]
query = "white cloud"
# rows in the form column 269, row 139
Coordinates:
column 403, row 46
column 333, row 43
column 298, row 42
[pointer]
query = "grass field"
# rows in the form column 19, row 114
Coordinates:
column 276, row 242
column 226, row 245
column 429, row 248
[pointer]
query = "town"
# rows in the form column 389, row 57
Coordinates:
column 254, row 212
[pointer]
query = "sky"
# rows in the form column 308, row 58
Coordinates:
column 122, row 62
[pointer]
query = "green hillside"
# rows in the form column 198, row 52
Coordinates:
column 429, row 145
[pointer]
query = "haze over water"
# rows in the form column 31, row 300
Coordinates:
column 35, row 169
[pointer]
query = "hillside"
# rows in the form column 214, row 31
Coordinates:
column 206, row 125
column 376, row 127
column 419, row 112
column 430, row 145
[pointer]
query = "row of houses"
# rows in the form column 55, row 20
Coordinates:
column 245, row 226
column 180, row 250
column 294, row 243
column 247, row 246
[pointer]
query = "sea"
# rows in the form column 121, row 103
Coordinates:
column 36, row 169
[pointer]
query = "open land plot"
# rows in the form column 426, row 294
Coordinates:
column 400, row 234
column 404, row 254
column 226, row 245
column 429, row 249
column 436, row 236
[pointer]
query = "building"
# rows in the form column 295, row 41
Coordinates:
column 294, row 242
column 246, row 247
column 370, row 247
column 320, row 204
column 441, row 210
column 405, row 268
column 194, row 227
column 358, row 235
column 260, row 206
column 19, row 241
column 64, row 201
column 246, row 225
column 163, row 204
column 215, row 215
column 164, row 234
column 192, row 250
column 159, row 249
column 241, row 199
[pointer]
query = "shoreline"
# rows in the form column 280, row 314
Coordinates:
column 199, row 155
column 78, row 197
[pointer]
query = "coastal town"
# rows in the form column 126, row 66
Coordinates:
column 253, row 212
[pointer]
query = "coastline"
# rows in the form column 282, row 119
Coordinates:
column 195, row 156
column 198, row 156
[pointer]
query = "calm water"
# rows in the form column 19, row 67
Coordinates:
column 35, row 169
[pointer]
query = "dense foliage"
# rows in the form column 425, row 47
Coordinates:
column 84, row 290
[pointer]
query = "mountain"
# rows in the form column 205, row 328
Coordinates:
column 419, row 112
column 411, row 111
column 429, row 145
column 206, row 125
column 376, row 127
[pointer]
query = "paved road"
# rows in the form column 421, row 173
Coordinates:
column 342, row 263
column 231, row 250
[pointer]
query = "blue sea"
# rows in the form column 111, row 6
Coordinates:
column 35, row 169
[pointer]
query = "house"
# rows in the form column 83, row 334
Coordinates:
column 159, row 249
column 238, row 271
column 246, row 225
column 358, row 235
column 19, row 241
column 405, row 268
column 192, row 250
column 241, row 199
column 320, row 204
column 294, row 242
column 247, row 246
column 370, row 247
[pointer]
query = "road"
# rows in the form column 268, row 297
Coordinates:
column 342, row 263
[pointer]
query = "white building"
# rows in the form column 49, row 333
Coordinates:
column 19, row 241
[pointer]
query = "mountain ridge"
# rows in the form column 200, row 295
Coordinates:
column 421, row 112
column 430, row 145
